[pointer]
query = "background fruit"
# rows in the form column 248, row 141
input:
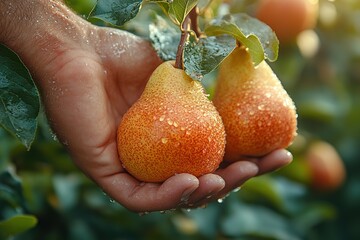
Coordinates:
column 258, row 114
column 327, row 169
column 288, row 17
column 173, row 128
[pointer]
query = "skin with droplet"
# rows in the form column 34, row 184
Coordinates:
column 172, row 128
column 258, row 114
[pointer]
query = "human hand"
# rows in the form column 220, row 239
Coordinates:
column 94, row 89
column 88, row 78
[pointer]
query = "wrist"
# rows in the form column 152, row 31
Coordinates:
column 39, row 30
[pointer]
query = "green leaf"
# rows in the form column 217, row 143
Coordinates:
column 11, row 192
column 176, row 10
column 250, row 32
column 115, row 12
column 19, row 99
column 82, row 7
column 17, row 224
column 281, row 193
column 256, row 221
column 164, row 38
column 203, row 56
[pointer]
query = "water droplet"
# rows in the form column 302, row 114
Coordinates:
column 236, row 189
column 170, row 122
column 143, row 213
column 251, row 113
column 162, row 118
column 220, row 200
column 164, row 140
column 268, row 95
column 54, row 137
column 182, row 128
column 176, row 124
column 261, row 107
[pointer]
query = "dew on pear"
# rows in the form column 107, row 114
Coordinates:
column 261, row 107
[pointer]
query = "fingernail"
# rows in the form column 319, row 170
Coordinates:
column 186, row 195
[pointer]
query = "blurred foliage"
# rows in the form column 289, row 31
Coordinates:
column 44, row 196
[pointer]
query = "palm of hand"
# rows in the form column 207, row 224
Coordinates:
column 91, row 87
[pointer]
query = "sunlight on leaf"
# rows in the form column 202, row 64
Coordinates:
column 164, row 38
column 250, row 32
column 176, row 10
column 17, row 224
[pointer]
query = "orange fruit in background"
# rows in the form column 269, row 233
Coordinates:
column 172, row 128
column 327, row 170
column 258, row 114
column 288, row 18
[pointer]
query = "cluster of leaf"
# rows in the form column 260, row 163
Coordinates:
column 202, row 54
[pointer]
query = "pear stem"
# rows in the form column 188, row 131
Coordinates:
column 184, row 36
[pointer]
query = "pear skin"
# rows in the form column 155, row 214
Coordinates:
column 172, row 128
column 258, row 114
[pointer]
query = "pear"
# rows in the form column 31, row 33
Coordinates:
column 172, row 128
column 258, row 114
column 326, row 167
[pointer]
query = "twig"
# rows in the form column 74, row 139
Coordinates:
column 184, row 36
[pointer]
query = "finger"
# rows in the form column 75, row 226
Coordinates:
column 273, row 161
column 234, row 176
column 209, row 185
column 148, row 197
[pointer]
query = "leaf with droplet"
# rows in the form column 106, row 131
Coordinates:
column 255, row 35
column 203, row 56
column 115, row 12
column 176, row 10
column 164, row 38
column 19, row 98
